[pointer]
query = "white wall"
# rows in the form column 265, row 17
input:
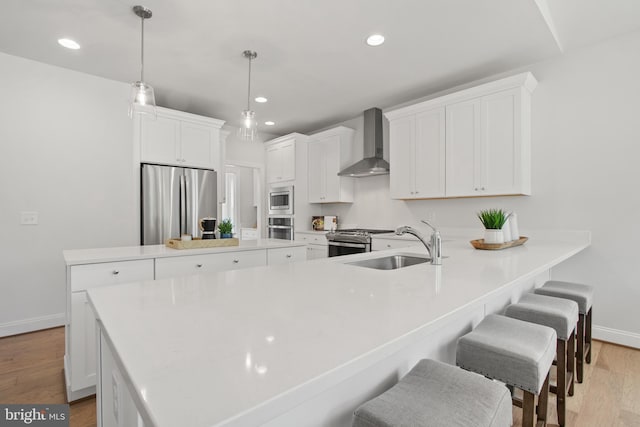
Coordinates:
column 585, row 151
column 66, row 150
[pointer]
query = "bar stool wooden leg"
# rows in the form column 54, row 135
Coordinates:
column 587, row 337
column 561, row 385
column 543, row 403
column 571, row 361
column 528, row 409
column 580, row 351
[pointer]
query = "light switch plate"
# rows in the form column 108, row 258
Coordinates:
column 29, row 218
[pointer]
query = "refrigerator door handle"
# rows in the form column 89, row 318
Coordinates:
column 183, row 205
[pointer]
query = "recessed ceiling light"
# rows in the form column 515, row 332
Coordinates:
column 69, row 44
column 261, row 99
column 269, row 123
column 375, row 40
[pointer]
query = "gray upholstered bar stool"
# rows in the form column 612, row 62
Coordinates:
column 583, row 295
column 561, row 315
column 515, row 352
column 434, row 394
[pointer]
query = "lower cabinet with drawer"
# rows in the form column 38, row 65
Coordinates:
column 209, row 263
column 381, row 244
column 317, row 246
column 286, row 255
column 80, row 357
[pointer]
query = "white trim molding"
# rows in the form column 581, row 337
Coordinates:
column 616, row 336
column 32, row 324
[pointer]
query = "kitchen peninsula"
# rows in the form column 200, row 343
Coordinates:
column 299, row 343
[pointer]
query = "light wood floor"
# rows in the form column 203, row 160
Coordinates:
column 31, row 371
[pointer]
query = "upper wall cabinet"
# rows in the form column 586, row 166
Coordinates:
column 329, row 153
column 476, row 142
column 417, row 158
column 180, row 139
column 281, row 159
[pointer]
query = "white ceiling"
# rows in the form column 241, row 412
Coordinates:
column 312, row 63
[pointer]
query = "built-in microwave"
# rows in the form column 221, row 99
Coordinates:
column 281, row 201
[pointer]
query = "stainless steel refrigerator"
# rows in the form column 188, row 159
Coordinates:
column 173, row 201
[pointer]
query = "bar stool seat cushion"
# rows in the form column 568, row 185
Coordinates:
column 515, row 352
column 578, row 292
column 558, row 313
column 435, row 394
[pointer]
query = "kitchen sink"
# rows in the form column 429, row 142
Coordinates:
column 391, row 262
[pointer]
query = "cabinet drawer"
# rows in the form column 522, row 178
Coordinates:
column 110, row 273
column 384, row 244
column 286, row 255
column 311, row 238
column 210, row 263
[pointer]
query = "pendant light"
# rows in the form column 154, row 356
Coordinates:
column 143, row 100
column 249, row 128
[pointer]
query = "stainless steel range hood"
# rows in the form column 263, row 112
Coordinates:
column 373, row 163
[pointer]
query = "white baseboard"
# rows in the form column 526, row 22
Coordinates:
column 616, row 336
column 32, row 324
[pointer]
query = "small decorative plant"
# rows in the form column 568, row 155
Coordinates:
column 492, row 219
column 225, row 227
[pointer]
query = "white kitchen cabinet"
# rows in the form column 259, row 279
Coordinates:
column 83, row 341
column 180, row 139
column 418, row 155
column 109, row 273
column 286, row 255
column 281, row 161
column 317, row 245
column 471, row 143
column 208, row 263
column 80, row 360
column 329, row 153
column 487, row 153
column 382, row 244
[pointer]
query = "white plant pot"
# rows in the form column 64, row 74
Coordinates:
column 493, row 236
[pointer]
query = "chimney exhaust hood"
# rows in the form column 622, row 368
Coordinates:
column 373, row 163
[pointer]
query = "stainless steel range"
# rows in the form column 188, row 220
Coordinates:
column 351, row 241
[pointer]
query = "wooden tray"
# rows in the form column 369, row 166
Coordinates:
column 200, row 243
column 480, row 244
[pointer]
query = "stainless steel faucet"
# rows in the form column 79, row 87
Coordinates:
column 434, row 246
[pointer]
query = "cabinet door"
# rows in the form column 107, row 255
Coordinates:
column 463, row 138
column 316, row 170
column 429, row 158
column 160, row 140
column 331, row 165
column 196, row 143
column 286, row 255
column 83, row 342
column 317, row 251
column 501, row 133
column 281, row 162
column 402, row 137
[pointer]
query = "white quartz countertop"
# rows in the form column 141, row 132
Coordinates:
column 129, row 253
column 218, row 349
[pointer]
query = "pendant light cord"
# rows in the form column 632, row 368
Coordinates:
column 142, row 52
column 249, row 85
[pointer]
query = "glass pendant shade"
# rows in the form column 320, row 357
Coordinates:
column 249, row 128
column 143, row 100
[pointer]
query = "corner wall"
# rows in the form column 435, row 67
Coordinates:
column 66, row 150
column 585, row 176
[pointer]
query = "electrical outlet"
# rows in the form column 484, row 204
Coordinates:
column 29, row 218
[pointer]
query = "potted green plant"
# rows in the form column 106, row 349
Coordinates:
column 493, row 220
column 225, row 227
